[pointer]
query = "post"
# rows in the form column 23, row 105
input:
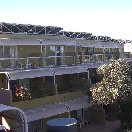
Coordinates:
column 103, row 54
column 55, row 85
column 76, row 53
column 54, row 78
column 88, row 73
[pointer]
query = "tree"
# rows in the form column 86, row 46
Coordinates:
column 116, row 83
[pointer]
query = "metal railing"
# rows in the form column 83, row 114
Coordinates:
column 64, row 60
column 59, row 60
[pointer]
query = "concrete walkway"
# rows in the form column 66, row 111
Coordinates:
column 109, row 126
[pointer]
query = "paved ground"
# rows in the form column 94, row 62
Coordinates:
column 109, row 126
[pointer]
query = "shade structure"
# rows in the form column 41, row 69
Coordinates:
column 78, row 103
column 31, row 73
column 86, row 44
column 56, row 108
column 41, row 72
column 14, row 42
column 59, row 42
column 45, row 111
column 128, row 59
column 98, row 44
column 111, row 45
column 10, row 111
column 69, row 70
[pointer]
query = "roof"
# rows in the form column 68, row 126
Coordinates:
column 56, row 108
column 32, row 73
column 5, row 108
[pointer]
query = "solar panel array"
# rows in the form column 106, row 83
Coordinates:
column 28, row 29
column 13, row 28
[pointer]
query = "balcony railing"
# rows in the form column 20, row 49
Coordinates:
column 20, row 63
column 64, row 60
column 110, row 55
column 59, row 60
column 13, row 63
column 127, row 55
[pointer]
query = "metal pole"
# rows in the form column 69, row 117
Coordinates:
column 54, row 78
column 88, row 74
column 76, row 54
column 8, row 81
column 53, row 72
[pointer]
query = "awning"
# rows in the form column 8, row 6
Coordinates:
column 55, row 109
column 94, row 65
column 91, row 44
column 98, row 64
column 6, row 108
column 45, row 111
column 14, row 42
column 97, row 44
column 128, row 59
column 86, row 44
column 78, row 103
column 14, row 112
column 59, row 42
column 69, row 70
column 31, row 73
column 111, row 45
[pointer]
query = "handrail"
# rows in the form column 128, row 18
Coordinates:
column 40, row 62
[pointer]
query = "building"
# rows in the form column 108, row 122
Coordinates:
column 48, row 70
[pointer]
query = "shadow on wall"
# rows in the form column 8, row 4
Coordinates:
column 5, row 96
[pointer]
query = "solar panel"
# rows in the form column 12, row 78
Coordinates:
column 14, row 28
column 28, row 29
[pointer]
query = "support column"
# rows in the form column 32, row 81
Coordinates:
column 76, row 53
column 88, row 74
column 55, row 85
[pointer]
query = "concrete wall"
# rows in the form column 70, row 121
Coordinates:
column 5, row 97
column 27, row 104
column 3, row 80
column 97, row 116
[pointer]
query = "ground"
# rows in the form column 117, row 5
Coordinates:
column 109, row 126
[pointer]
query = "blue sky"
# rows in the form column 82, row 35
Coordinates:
column 100, row 17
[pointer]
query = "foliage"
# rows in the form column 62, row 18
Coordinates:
column 22, row 93
column 115, row 85
column 41, row 89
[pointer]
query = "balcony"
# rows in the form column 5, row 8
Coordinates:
column 47, row 100
column 59, row 61
column 90, row 57
column 67, row 59
column 112, row 55
column 20, row 63
column 36, row 62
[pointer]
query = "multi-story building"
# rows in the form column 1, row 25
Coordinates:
column 48, row 70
